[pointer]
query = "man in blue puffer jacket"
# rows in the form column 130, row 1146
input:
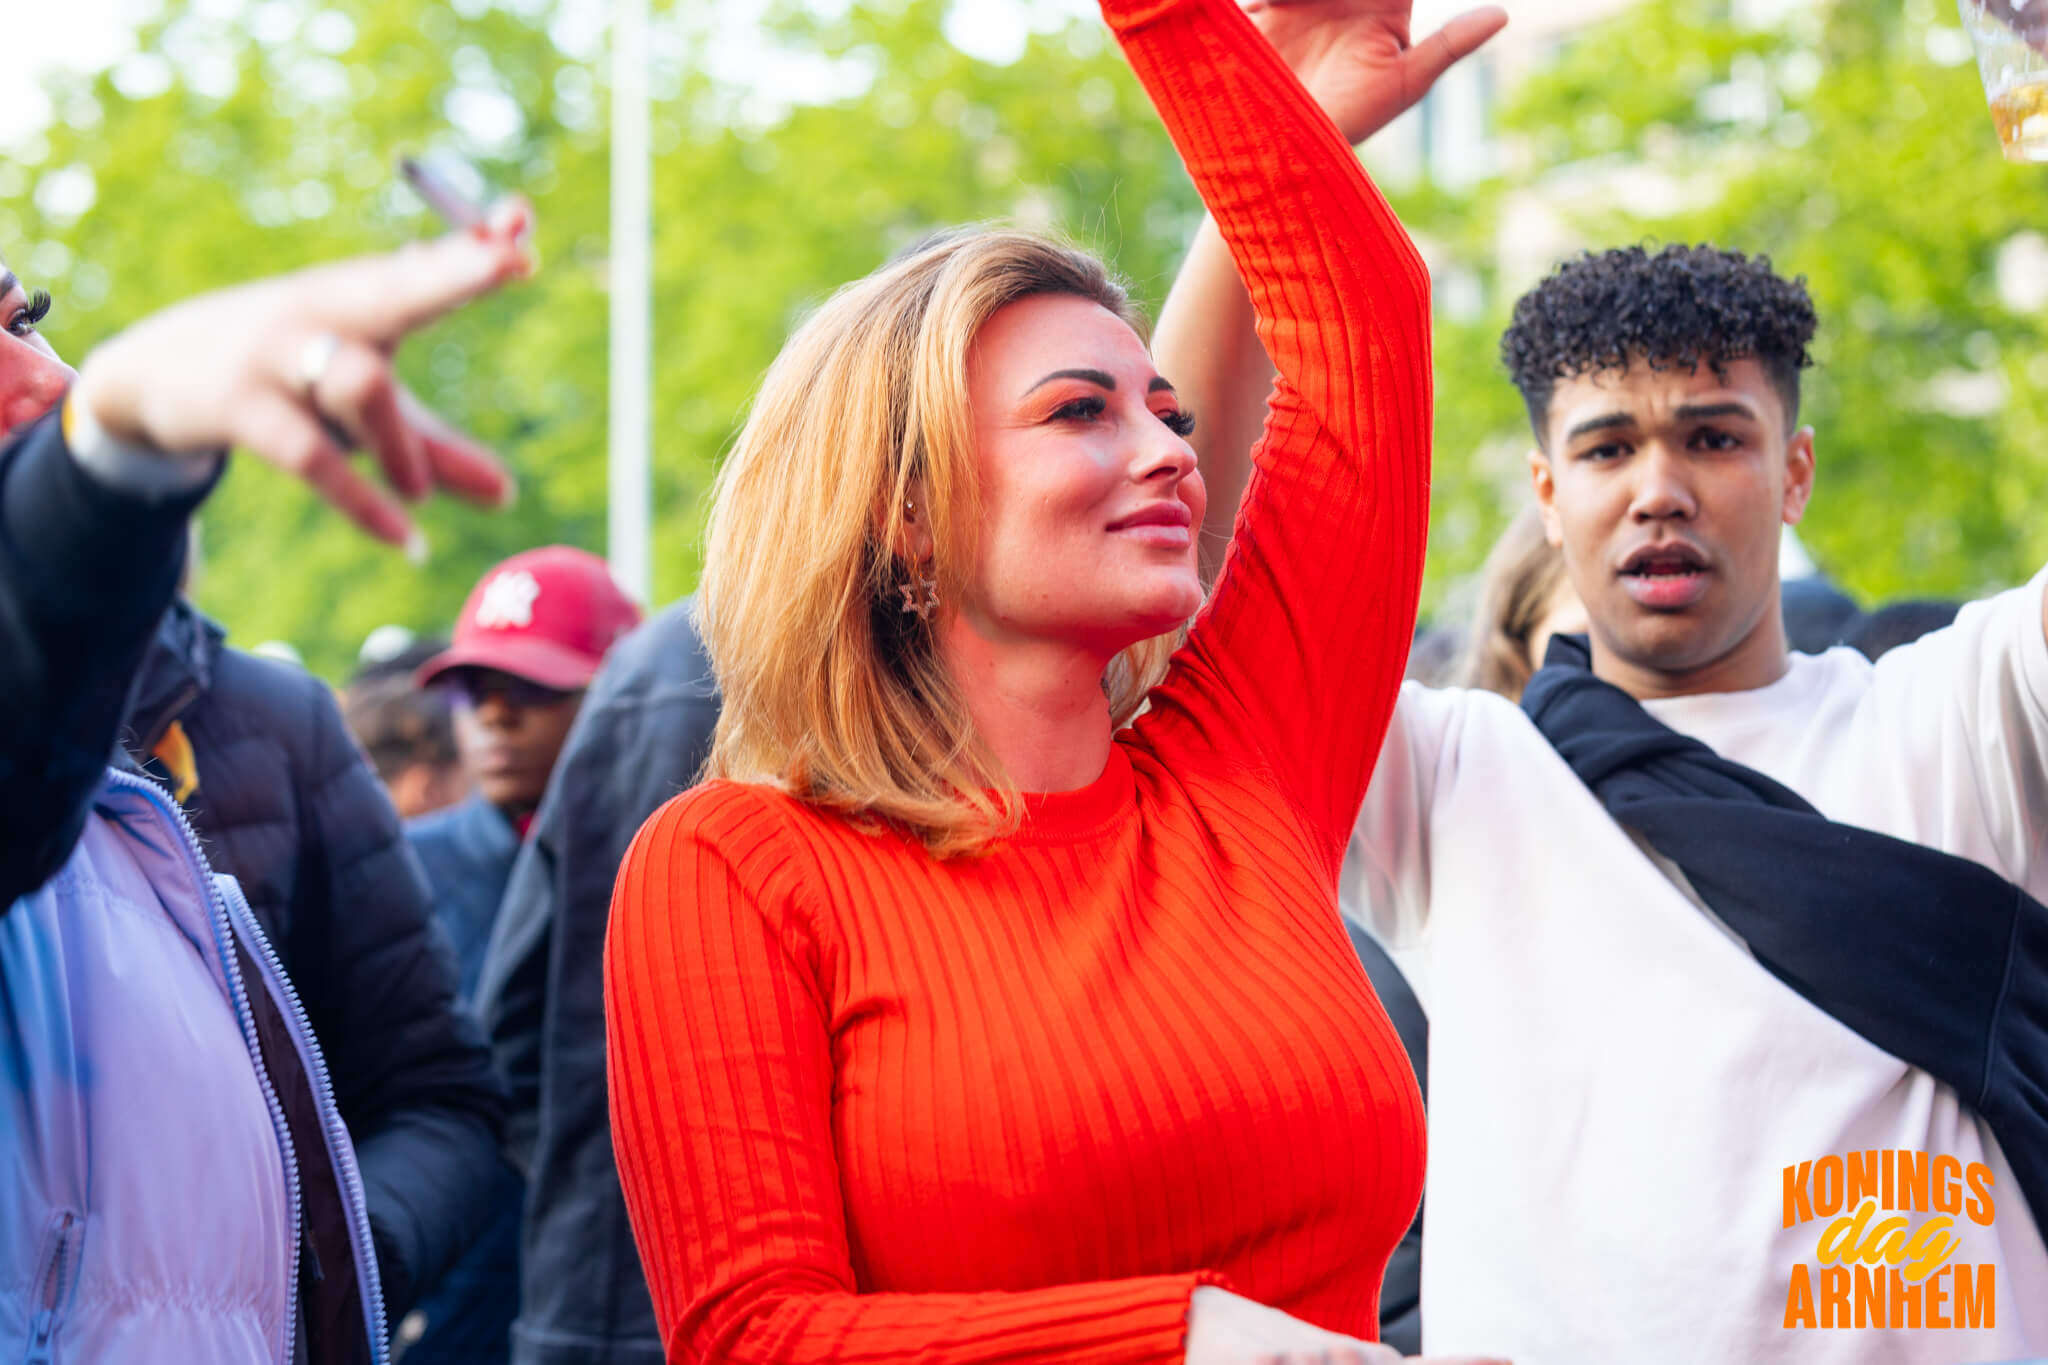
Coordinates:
column 178, row 1180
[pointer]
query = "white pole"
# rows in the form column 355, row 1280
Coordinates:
column 630, row 538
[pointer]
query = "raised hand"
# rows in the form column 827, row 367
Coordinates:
column 296, row 370
column 1356, row 57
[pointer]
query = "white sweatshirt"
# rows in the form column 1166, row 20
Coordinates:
column 1624, row 1106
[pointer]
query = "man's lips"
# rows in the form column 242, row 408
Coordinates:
column 1665, row 577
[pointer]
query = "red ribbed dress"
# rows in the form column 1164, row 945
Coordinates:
column 873, row 1106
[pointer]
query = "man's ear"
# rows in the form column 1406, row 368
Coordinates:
column 1799, row 461
column 1546, row 496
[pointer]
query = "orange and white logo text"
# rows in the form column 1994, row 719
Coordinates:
column 1886, row 1225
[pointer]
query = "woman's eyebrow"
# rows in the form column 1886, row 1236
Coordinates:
column 1100, row 378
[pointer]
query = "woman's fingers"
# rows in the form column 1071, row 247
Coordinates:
column 285, row 433
column 297, row 370
column 1360, row 1354
column 356, row 393
column 454, row 461
column 1458, row 39
column 381, row 299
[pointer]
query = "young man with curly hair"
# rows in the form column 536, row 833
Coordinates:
column 1722, row 946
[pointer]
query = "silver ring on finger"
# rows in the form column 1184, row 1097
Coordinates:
column 315, row 357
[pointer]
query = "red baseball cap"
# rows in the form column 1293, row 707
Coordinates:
column 548, row 616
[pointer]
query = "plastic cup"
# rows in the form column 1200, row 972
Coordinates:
column 2011, row 38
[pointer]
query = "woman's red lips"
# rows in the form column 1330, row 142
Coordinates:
column 1174, row 513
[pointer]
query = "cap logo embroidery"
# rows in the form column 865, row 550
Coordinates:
column 508, row 601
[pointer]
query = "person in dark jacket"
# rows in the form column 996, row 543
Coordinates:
column 256, row 753
column 640, row 738
column 531, row 637
column 184, row 1185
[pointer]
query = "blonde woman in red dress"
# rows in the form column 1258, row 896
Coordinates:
column 963, row 1016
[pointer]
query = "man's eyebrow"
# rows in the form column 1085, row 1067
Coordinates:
column 1160, row 384
column 1700, row 412
column 1606, row 421
column 1099, row 378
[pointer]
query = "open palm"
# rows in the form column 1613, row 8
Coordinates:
column 1357, row 58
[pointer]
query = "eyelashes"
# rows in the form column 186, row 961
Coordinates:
column 34, row 311
column 1180, row 423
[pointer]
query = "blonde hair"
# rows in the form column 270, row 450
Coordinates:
column 1517, row 588
column 830, row 691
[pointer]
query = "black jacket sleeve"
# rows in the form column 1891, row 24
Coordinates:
column 84, row 574
column 412, row 1075
column 640, row 738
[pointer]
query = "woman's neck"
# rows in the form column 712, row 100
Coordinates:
column 1038, row 705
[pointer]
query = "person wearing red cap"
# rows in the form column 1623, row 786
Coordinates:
column 531, row 637
column 529, row 640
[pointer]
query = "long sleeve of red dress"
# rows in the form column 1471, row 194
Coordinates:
column 872, row 1106
column 1319, row 588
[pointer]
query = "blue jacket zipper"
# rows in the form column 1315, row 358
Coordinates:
column 53, row 1285
column 340, row 1146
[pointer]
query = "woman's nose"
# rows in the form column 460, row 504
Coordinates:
column 1166, row 454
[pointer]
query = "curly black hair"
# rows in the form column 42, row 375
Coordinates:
column 1683, row 307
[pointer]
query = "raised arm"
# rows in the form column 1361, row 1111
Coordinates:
column 1294, row 665
column 1355, row 58
column 92, row 513
column 86, row 569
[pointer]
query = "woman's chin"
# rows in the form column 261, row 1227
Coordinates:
column 1167, row 606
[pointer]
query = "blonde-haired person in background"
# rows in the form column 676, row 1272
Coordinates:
column 955, row 1020
column 1525, row 597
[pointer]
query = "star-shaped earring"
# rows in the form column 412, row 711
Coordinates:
column 920, row 597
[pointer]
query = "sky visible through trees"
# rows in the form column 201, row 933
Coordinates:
column 1850, row 142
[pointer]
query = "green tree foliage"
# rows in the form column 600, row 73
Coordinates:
column 1850, row 143
column 244, row 145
